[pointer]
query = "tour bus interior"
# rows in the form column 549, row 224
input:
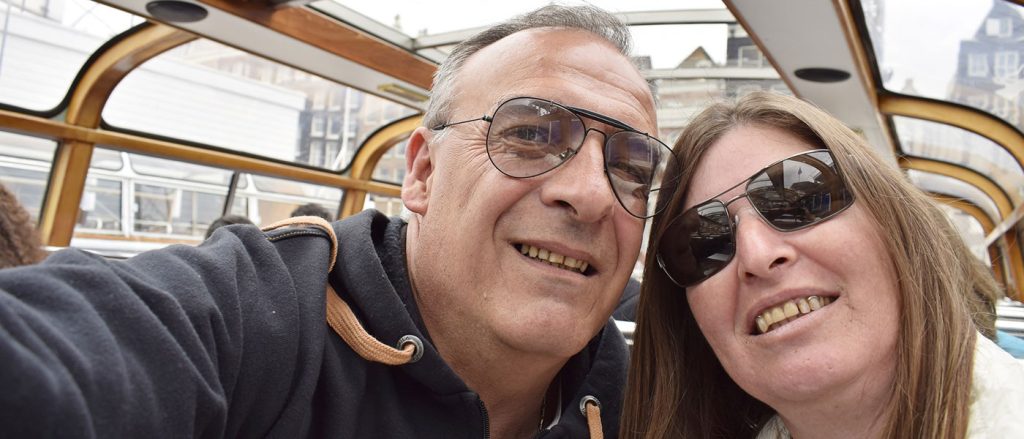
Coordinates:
column 127, row 125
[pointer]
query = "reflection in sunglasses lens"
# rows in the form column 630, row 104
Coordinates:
column 797, row 192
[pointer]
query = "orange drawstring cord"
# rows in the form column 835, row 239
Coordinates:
column 344, row 322
column 341, row 318
column 591, row 408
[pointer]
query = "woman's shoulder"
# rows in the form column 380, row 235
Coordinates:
column 997, row 393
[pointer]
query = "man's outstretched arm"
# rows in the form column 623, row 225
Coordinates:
column 180, row 342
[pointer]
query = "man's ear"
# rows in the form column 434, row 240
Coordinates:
column 418, row 167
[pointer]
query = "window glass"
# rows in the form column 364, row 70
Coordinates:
column 418, row 18
column 274, row 199
column 45, row 43
column 25, row 163
column 391, row 166
column 28, row 185
column 390, row 206
column 954, row 145
column 167, row 210
column 106, row 159
column 968, row 52
column 943, row 185
column 970, row 230
column 148, row 204
column 682, row 99
column 193, row 93
column 101, row 205
column 157, row 167
column 103, row 221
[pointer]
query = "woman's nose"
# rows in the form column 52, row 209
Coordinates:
column 761, row 251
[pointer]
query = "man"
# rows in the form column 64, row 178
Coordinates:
column 228, row 339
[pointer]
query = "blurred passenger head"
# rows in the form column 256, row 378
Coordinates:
column 893, row 277
column 19, row 242
column 313, row 209
column 226, row 220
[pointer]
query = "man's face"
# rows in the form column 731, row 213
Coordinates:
column 472, row 222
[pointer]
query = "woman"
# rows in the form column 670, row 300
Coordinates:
column 798, row 286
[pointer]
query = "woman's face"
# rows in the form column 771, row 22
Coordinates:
column 846, row 344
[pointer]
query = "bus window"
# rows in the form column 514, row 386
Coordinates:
column 971, row 231
column 101, row 205
column 944, row 185
column 951, row 144
column 391, row 166
column 964, row 52
column 25, row 163
column 45, row 44
column 147, row 204
column 274, row 199
column 390, row 206
column 194, row 93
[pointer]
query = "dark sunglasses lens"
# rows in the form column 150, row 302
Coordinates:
column 799, row 191
column 529, row 137
column 636, row 165
column 698, row 244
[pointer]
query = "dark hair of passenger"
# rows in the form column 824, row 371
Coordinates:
column 678, row 388
column 313, row 209
column 19, row 242
column 226, row 220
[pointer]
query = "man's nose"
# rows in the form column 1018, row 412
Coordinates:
column 580, row 184
column 761, row 251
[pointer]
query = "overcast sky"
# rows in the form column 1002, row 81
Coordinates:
column 922, row 40
column 667, row 45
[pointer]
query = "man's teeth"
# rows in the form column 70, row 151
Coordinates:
column 552, row 258
column 789, row 311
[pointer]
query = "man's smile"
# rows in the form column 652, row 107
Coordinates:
column 554, row 259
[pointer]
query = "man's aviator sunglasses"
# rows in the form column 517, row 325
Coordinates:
column 791, row 194
column 530, row 136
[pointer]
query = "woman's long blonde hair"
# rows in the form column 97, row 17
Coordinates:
column 678, row 389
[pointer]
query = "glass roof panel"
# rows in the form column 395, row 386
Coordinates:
column 419, row 18
column 695, row 52
column 970, row 231
column 968, row 52
column 954, row 145
column 193, row 93
column 44, row 43
column 943, row 185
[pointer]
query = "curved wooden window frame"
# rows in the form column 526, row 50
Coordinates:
column 987, row 225
column 891, row 104
column 81, row 131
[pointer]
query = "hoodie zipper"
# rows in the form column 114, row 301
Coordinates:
column 487, row 420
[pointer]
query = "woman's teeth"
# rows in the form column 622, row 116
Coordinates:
column 780, row 315
column 554, row 259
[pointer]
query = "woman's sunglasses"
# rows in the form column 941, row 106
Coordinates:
column 791, row 194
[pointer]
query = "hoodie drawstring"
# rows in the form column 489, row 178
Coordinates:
column 591, row 409
column 344, row 322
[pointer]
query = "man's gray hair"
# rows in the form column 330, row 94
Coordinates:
column 586, row 18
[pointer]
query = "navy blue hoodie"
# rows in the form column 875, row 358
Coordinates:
column 229, row 339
